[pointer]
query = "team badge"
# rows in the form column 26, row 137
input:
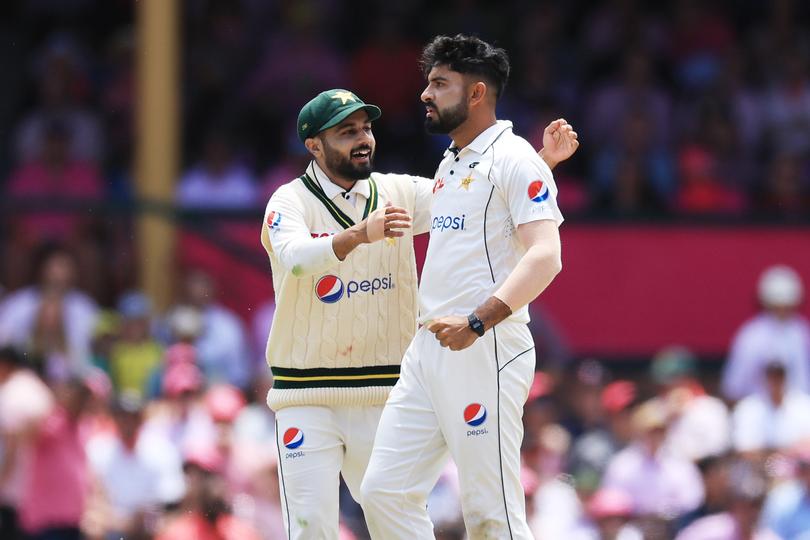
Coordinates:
column 293, row 438
column 273, row 219
column 538, row 191
column 475, row 414
column 465, row 183
column 329, row 289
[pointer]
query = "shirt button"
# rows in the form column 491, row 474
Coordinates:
column 456, row 159
column 451, row 172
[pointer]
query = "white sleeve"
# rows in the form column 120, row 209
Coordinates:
column 740, row 377
column 527, row 184
column 747, row 427
column 291, row 240
column 423, row 197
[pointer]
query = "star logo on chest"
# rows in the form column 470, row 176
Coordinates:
column 465, row 183
column 390, row 241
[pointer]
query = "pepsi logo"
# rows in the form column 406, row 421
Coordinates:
column 293, row 438
column 538, row 191
column 273, row 219
column 329, row 289
column 475, row 414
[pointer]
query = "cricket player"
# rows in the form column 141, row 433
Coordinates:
column 494, row 247
column 340, row 243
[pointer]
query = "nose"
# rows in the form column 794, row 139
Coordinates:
column 427, row 95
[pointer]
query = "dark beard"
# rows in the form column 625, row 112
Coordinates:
column 343, row 166
column 447, row 120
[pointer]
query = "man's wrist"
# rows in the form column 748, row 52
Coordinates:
column 492, row 311
column 550, row 162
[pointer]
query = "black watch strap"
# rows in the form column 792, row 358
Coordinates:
column 476, row 324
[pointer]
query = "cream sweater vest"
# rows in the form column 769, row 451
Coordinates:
column 338, row 337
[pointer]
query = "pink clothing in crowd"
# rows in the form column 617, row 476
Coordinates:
column 76, row 180
column 55, row 491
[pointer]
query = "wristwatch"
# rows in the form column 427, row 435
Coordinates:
column 476, row 324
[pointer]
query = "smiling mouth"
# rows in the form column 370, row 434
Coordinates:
column 363, row 154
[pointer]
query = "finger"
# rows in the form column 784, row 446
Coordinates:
column 389, row 203
column 434, row 326
column 574, row 134
column 397, row 225
column 393, row 234
column 397, row 217
column 390, row 209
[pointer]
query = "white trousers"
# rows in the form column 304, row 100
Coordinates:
column 316, row 445
column 468, row 404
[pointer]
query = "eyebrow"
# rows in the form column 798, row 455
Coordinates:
column 437, row 78
column 348, row 124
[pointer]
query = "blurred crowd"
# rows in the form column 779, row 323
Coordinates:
column 128, row 422
column 119, row 420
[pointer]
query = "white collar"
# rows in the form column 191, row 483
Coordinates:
column 332, row 190
column 485, row 139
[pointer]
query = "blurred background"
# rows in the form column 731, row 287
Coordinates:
column 140, row 140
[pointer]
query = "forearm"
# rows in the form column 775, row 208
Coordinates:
column 347, row 241
column 533, row 273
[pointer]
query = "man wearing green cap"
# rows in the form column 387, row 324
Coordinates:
column 340, row 243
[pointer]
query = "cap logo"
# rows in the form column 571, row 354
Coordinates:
column 343, row 97
column 304, row 126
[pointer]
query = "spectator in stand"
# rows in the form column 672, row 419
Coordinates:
column 133, row 474
column 608, row 516
column 700, row 425
column 219, row 181
column 63, row 86
column 54, row 174
column 787, row 106
column 773, row 419
column 662, row 486
column 710, row 172
column 222, row 346
column 778, row 331
column 56, row 486
column 593, row 450
column 182, row 417
column 787, row 507
column 741, row 519
column 52, row 321
column 631, row 173
column 25, row 402
column 204, row 512
column 135, row 355
column 714, row 470
column 785, row 189
column 635, row 95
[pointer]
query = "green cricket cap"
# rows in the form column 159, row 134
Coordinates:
column 330, row 108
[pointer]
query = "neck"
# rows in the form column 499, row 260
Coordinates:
column 472, row 128
column 345, row 183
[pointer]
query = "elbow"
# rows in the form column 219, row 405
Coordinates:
column 556, row 264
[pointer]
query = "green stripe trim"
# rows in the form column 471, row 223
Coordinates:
column 371, row 203
column 288, row 378
column 344, row 220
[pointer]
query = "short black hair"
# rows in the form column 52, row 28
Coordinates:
column 468, row 55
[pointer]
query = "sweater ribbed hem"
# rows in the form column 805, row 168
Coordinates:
column 278, row 399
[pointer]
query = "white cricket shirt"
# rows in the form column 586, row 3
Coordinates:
column 480, row 195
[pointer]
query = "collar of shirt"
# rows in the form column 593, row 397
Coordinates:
column 480, row 144
column 332, row 190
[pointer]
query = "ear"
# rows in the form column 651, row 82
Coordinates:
column 478, row 92
column 314, row 146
